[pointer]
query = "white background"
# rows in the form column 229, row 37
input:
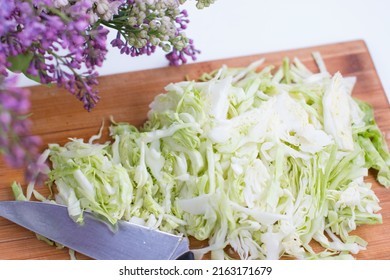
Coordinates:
column 232, row 28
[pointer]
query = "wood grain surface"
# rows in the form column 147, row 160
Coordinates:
column 58, row 116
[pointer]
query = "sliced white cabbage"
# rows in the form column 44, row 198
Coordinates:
column 259, row 162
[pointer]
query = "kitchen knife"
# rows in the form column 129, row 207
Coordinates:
column 95, row 238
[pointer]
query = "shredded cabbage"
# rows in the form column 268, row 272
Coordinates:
column 263, row 162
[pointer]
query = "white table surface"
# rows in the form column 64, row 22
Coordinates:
column 232, row 28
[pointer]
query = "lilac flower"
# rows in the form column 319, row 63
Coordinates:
column 52, row 40
column 36, row 29
column 182, row 19
column 117, row 42
column 19, row 147
column 60, row 3
column 106, row 9
column 177, row 57
column 146, row 27
column 43, row 31
column 95, row 49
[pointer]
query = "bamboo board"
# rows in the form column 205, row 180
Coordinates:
column 58, row 116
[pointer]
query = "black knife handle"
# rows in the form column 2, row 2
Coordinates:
column 186, row 256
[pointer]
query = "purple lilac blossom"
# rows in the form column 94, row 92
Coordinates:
column 43, row 31
column 151, row 28
column 38, row 29
column 177, row 57
column 19, row 147
column 58, row 38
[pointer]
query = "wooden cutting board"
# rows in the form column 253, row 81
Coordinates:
column 58, row 116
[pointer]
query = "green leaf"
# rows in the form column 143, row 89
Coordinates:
column 20, row 63
column 34, row 78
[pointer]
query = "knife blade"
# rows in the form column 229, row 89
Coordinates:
column 94, row 238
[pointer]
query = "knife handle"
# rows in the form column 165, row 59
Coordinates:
column 186, row 256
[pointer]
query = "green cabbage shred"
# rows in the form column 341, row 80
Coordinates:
column 262, row 162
